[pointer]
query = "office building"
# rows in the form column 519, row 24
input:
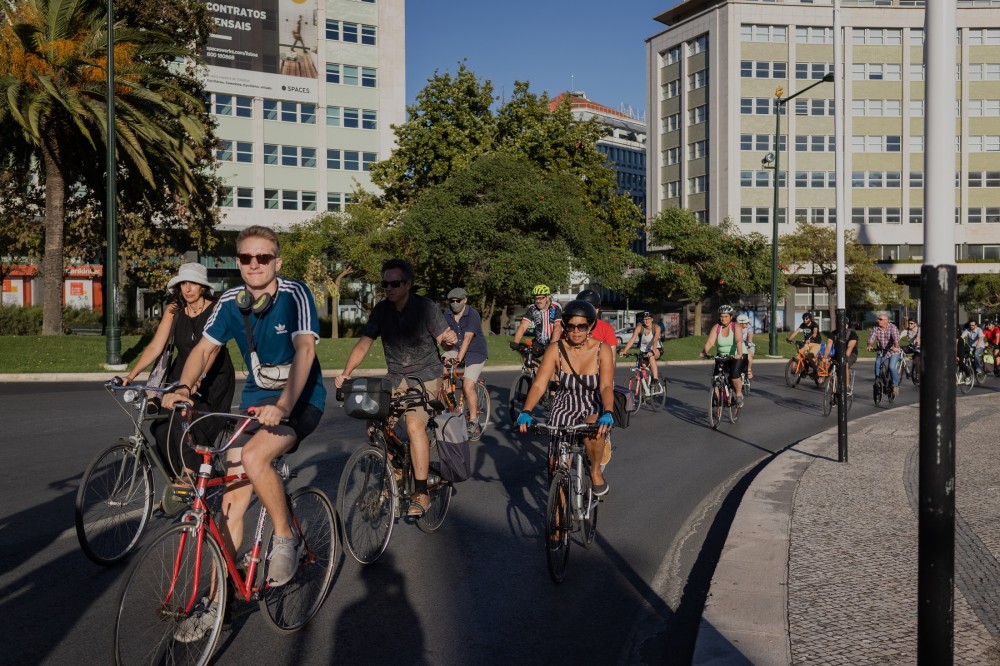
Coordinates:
column 712, row 76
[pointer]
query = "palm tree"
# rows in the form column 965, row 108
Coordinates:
column 53, row 56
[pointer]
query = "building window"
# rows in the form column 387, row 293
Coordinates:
column 333, row 30
column 369, row 119
column 352, row 118
column 349, row 32
column 698, row 115
column 697, row 45
column 698, row 79
column 271, row 199
column 332, row 72
column 698, row 185
column 244, row 152
column 333, row 159
column 367, row 160
column 698, row 149
column 916, row 215
column 813, row 35
column 877, row 36
column 244, row 197
column 351, row 160
column 368, row 35
column 333, row 115
column 763, row 33
column 984, row 37
column 671, row 89
column 223, row 105
column 672, row 55
column 270, row 109
column 224, row 151
column 350, row 75
column 244, row 107
column 270, row 153
column 672, row 190
column 368, row 77
column 671, row 156
column 812, row 70
column 672, row 123
column 334, row 202
column 916, row 179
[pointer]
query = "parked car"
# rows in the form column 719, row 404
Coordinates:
column 624, row 334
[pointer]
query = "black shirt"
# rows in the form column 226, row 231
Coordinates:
column 810, row 331
column 409, row 338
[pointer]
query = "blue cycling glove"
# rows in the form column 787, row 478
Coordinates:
column 525, row 419
column 606, row 420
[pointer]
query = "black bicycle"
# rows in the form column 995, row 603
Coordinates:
column 722, row 394
column 883, row 379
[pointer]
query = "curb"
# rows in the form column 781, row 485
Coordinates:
column 745, row 619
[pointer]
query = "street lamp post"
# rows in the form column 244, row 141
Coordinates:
column 112, row 333
column 775, row 157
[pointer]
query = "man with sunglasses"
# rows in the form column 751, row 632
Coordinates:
column 279, row 316
column 465, row 321
column 411, row 327
column 544, row 314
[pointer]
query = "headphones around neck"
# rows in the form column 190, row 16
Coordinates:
column 259, row 307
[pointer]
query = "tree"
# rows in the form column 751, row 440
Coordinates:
column 501, row 226
column 810, row 253
column 332, row 247
column 53, row 60
column 980, row 291
column 702, row 261
column 20, row 207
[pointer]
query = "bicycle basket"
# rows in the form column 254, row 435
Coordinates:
column 367, row 398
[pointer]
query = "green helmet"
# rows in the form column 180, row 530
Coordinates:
column 541, row 290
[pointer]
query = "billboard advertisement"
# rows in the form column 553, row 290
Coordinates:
column 266, row 48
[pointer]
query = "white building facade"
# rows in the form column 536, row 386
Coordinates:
column 712, row 76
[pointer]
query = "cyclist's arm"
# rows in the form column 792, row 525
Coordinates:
column 794, row 333
column 521, row 330
column 464, row 349
column 155, row 346
column 607, row 382
column 542, row 376
column 305, row 353
column 194, row 368
column 871, row 339
column 354, row 359
column 631, row 341
column 712, row 336
column 829, row 346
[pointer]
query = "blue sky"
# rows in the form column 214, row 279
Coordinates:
column 595, row 46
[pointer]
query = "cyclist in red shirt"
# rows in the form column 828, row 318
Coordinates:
column 602, row 330
column 992, row 335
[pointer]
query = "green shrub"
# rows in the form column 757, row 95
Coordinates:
column 81, row 316
column 15, row 320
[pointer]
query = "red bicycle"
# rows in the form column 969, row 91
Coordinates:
column 174, row 597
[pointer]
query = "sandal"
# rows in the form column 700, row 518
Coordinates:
column 417, row 507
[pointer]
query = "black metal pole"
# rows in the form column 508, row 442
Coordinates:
column 772, row 348
column 841, row 385
column 936, row 540
column 113, row 339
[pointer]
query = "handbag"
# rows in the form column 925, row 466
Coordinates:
column 161, row 369
column 453, row 448
column 266, row 375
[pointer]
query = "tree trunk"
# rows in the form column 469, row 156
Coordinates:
column 55, row 211
column 697, row 317
column 486, row 313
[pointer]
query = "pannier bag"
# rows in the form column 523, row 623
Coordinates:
column 624, row 406
column 453, row 446
column 367, row 398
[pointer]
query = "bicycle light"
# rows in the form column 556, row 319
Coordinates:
column 130, row 395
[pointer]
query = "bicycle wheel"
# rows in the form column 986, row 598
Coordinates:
column 850, row 389
column 483, row 418
column 714, row 406
column 558, row 526
column 792, row 372
column 877, row 391
column 440, row 495
column 830, row 393
column 634, row 385
column 518, row 393
column 114, row 502
column 289, row 607
column 966, row 378
column 734, row 408
column 981, row 374
column 658, row 399
column 589, row 517
column 171, row 606
column 366, row 502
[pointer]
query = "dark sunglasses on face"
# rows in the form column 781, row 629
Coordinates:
column 454, row 300
column 391, row 283
column 579, row 328
column 262, row 259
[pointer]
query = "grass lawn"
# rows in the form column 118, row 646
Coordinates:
column 76, row 353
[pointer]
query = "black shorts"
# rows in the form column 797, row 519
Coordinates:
column 303, row 420
column 734, row 366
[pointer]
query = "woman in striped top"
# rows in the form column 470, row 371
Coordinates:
column 585, row 370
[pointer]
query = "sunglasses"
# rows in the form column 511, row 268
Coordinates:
column 579, row 328
column 391, row 283
column 454, row 300
column 262, row 259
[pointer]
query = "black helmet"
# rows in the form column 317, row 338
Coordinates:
column 590, row 296
column 579, row 308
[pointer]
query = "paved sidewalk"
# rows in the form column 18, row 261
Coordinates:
column 820, row 565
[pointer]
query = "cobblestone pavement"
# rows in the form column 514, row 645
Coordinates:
column 850, row 584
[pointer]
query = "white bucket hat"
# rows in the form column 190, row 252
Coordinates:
column 192, row 272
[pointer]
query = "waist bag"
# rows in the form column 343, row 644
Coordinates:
column 266, row 375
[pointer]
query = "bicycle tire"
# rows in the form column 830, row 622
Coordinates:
column 829, row 394
column 746, row 385
column 658, row 399
column 366, row 503
column 440, row 502
column 734, row 409
column 981, row 375
column 791, row 372
column 634, row 385
column 558, row 527
column 714, row 406
column 590, row 517
column 114, row 503
column 483, row 398
column 891, row 392
column 877, row 391
column 518, row 394
column 288, row 608
column 158, row 594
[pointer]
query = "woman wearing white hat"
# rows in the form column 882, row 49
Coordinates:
column 191, row 304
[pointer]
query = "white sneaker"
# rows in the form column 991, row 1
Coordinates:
column 198, row 623
column 283, row 560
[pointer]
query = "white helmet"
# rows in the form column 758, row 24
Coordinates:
column 743, row 319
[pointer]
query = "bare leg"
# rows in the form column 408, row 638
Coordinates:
column 471, row 398
column 258, row 454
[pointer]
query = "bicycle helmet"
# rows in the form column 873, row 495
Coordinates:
column 726, row 309
column 743, row 319
column 590, row 296
column 541, row 290
column 579, row 308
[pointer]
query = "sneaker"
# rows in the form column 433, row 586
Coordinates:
column 475, row 430
column 284, row 560
column 739, row 401
column 198, row 623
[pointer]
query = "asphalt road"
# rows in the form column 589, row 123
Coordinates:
column 477, row 591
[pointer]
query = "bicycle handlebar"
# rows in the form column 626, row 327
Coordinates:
column 412, row 397
column 582, row 428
